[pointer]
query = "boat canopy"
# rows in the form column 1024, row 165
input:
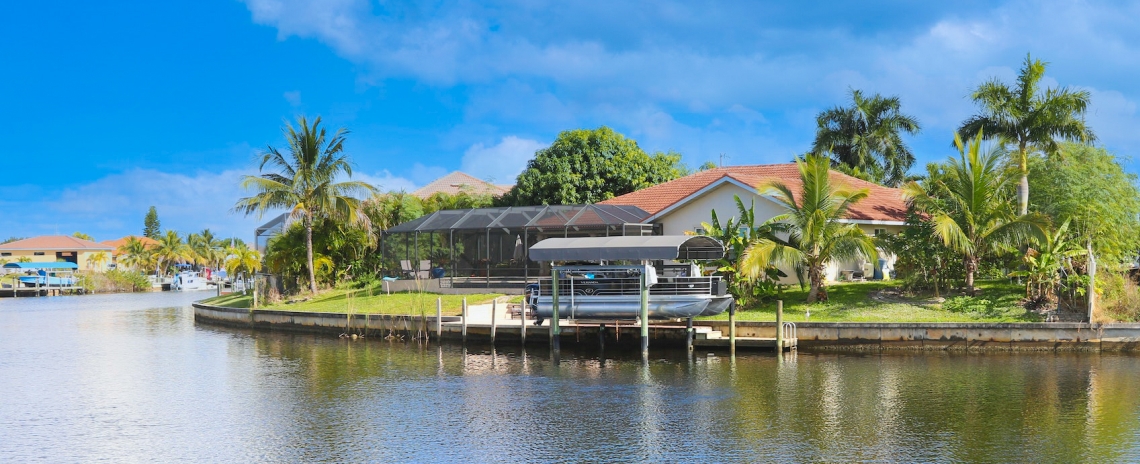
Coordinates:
column 55, row 265
column 627, row 248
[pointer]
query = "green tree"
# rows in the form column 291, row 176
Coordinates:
column 11, row 239
column 969, row 207
column 151, row 224
column 588, row 166
column 304, row 181
column 208, row 249
column 242, row 260
column 83, row 236
column 134, row 254
column 1029, row 119
column 1088, row 186
column 97, row 260
column 170, row 249
column 1045, row 259
column 865, row 138
column 811, row 221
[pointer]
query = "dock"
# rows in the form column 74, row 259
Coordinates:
column 13, row 292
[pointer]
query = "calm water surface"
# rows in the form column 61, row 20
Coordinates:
column 126, row 378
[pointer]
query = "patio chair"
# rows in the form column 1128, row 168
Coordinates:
column 406, row 269
column 424, row 272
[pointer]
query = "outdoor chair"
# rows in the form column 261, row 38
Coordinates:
column 406, row 269
column 424, row 272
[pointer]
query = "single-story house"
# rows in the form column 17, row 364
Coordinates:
column 682, row 204
column 51, row 248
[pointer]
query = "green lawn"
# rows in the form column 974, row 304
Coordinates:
column 863, row 302
column 364, row 301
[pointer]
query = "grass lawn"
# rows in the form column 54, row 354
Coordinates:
column 862, row 302
column 364, row 301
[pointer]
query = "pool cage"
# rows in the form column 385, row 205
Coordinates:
column 487, row 247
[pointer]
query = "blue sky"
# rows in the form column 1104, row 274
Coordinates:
column 111, row 107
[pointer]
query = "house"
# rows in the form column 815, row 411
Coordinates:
column 682, row 204
column 51, row 248
column 147, row 242
column 460, row 182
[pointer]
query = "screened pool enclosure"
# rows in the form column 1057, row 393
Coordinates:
column 488, row 246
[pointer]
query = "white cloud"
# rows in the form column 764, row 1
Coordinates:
column 385, row 181
column 501, row 162
column 293, row 97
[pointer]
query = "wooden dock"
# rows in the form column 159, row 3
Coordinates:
column 11, row 292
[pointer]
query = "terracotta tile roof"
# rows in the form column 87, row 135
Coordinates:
column 115, row 244
column 55, row 242
column 457, row 182
column 883, row 203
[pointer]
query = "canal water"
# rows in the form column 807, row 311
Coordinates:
column 126, row 378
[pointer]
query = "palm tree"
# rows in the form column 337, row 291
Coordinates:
column 96, row 260
column 242, row 259
column 815, row 235
column 134, row 253
column 170, row 249
column 305, row 182
column 207, row 248
column 1029, row 119
column 969, row 208
column 865, row 138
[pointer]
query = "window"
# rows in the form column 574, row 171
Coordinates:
column 879, row 232
column 38, row 253
column 5, row 254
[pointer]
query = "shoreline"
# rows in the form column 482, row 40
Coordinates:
column 862, row 336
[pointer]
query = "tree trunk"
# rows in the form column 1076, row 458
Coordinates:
column 309, row 255
column 971, row 267
column 817, row 292
column 1092, row 281
column 1023, row 194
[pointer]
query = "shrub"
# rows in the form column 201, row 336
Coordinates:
column 969, row 304
column 1119, row 297
column 114, row 281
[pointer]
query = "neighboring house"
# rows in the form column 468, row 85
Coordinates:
column 682, row 204
column 52, row 248
column 148, row 242
column 458, row 182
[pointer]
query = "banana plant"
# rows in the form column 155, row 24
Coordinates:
column 1045, row 263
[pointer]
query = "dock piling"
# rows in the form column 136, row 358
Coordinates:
column 689, row 334
column 732, row 329
column 555, row 332
column 522, row 323
column 464, row 320
column 494, row 311
column 439, row 318
column 779, row 326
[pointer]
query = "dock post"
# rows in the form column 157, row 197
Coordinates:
column 732, row 329
column 555, row 332
column 779, row 326
column 464, row 319
column 689, row 334
column 439, row 318
column 494, row 309
column 644, row 312
column 522, row 323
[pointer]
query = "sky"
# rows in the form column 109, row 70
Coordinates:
column 112, row 107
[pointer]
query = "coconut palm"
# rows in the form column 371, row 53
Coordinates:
column 1029, row 119
column 865, row 138
column 969, row 209
column 815, row 235
column 304, row 181
column 97, row 260
column 242, row 260
column 134, row 253
column 170, row 249
column 208, row 249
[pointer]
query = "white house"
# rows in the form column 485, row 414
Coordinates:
column 681, row 205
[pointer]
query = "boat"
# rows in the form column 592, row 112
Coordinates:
column 188, row 280
column 44, row 279
column 614, row 292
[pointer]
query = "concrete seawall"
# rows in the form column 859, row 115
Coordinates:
column 816, row 335
column 1061, row 336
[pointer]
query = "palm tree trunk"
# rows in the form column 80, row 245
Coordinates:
column 971, row 267
column 309, row 254
column 817, row 293
column 1023, row 194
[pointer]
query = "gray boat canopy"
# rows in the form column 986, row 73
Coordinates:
column 627, row 248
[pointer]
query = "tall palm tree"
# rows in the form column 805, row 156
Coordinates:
column 208, row 249
column 134, row 253
column 866, row 137
column 1029, row 119
column 815, row 235
column 304, row 181
column 170, row 249
column 242, row 259
column 969, row 209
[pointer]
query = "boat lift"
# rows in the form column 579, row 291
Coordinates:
column 639, row 249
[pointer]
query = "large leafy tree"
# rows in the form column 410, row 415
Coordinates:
column 151, row 225
column 811, row 221
column 304, row 180
column 588, row 166
column 1029, row 118
column 865, row 138
column 1090, row 188
column 969, row 207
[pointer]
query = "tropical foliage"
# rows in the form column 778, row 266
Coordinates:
column 865, row 138
column 816, row 235
column 305, row 180
column 1029, row 119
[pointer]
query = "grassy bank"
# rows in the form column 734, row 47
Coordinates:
column 363, row 301
column 998, row 301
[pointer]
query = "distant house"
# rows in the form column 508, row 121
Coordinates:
column 460, row 182
column 51, row 248
column 147, row 242
column 682, row 204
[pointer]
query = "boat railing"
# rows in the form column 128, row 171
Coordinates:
column 704, row 285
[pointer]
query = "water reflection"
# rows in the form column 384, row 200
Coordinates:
column 133, row 378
